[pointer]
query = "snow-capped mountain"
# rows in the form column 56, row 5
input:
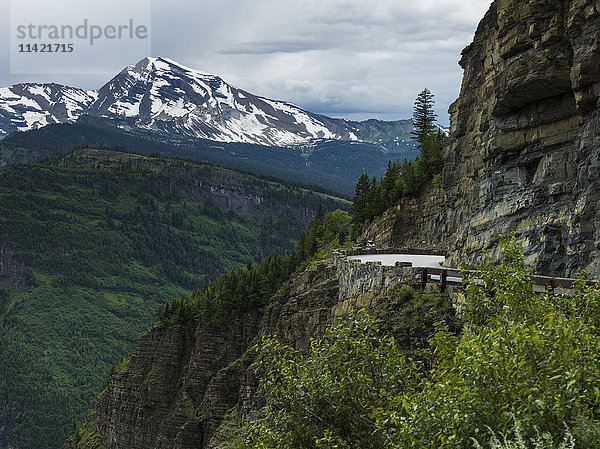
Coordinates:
column 160, row 95
column 32, row 105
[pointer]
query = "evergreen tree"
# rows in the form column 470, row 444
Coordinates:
column 431, row 153
column 389, row 182
column 319, row 216
column 360, row 203
column 401, row 180
column 423, row 116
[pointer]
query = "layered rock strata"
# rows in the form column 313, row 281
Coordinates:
column 524, row 148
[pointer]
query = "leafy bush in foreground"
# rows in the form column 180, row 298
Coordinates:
column 523, row 358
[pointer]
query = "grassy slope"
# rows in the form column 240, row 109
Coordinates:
column 106, row 237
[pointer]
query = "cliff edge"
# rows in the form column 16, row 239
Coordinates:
column 523, row 150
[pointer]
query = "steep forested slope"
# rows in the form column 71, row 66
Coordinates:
column 330, row 163
column 90, row 246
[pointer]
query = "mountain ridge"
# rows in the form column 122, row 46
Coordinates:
column 163, row 96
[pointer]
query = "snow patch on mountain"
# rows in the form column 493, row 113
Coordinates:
column 33, row 105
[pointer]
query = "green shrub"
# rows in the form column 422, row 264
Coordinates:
column 526, row 369
column 332, row 397
column 517, row 441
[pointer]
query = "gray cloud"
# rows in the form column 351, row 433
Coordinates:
column 291, row 45
column 348, row 58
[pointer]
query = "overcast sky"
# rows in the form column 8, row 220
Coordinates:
column 345, row 58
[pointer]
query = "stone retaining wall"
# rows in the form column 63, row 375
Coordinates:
column 357, row 278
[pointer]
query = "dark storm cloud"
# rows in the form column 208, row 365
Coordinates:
column 350, row 58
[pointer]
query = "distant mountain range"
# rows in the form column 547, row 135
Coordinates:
column 160, row 95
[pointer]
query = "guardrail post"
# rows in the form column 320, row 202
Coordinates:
column 443, row 280
column 424, row 278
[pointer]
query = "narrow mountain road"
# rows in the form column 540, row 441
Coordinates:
column 391, row 259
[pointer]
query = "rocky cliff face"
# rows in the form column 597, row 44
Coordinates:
column 423, row 222
column 182, row 380
column 524, row 146
column 174, row 387
column 523, row 151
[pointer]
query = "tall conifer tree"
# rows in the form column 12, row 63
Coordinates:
column 423, row 116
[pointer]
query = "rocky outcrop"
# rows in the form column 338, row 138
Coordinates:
column 174, row 391
column 422, row 222
column 183, row 379
column 524, row 148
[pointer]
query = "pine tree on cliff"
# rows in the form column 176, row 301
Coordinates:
column 423, row 116
column 360, row 203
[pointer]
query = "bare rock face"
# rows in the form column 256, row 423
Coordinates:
column 422, row 223
column 523, row 150
column 179, row 383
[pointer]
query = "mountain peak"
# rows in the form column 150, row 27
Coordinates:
column 161, row 64
column 160, row 95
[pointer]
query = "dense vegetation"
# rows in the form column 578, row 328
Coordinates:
column 332, row 164
column 250, row 287
column 373, row 197
column 524, row 374
column 92, row 244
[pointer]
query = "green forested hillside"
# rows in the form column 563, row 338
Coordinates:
column 328, row 163
column 90, row 246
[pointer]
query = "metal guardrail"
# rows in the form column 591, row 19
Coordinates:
column 455, row 277
column 451, row 276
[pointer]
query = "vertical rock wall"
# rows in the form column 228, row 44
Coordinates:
column 524, row 148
